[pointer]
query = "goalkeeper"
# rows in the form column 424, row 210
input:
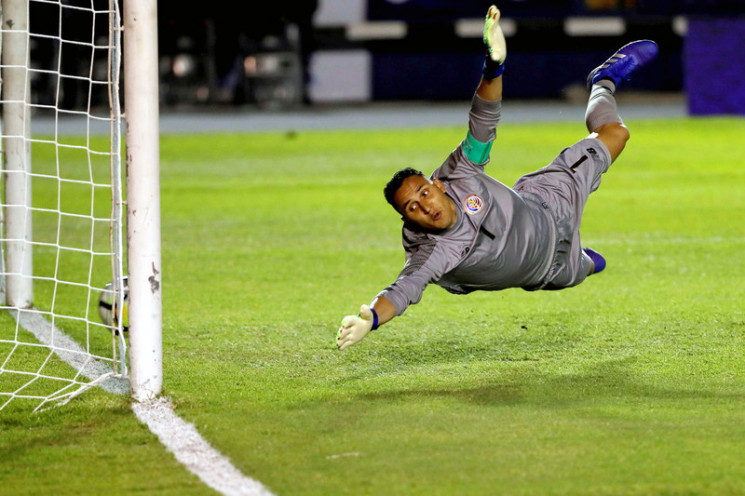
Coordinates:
column 465, row 231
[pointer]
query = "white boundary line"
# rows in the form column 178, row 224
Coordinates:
column 182, row 439
column 69, row 351
column 178, row 436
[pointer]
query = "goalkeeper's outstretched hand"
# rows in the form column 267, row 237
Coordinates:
column 493, row 36
column 355, row 327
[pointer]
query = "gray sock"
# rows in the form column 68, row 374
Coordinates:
column 601, row 107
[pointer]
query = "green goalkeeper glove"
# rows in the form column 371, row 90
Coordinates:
column 496, row 47
column 493, row 36
column 355, row 327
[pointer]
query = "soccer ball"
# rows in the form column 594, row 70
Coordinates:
column 107, row 307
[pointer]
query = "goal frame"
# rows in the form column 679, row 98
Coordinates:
column 138, row 23
column 141, row 97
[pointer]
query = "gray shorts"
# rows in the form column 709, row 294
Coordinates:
column 563, row 187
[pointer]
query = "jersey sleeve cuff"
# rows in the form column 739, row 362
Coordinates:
column 476, row 151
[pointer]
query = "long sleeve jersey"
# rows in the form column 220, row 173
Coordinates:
column 501, row 238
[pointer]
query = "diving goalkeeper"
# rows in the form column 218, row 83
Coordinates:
column 466, row 231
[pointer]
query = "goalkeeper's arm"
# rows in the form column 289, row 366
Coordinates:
column 355, row 327
column 490, row 87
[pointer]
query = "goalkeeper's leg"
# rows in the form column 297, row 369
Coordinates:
column 603, row 120
column 602, row 116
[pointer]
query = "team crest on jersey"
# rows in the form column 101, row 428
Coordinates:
column 473, row 204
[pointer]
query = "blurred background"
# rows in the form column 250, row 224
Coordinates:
column 311, row 52
column 297, row 54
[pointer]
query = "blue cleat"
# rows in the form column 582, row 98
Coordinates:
column 624, row 62
column 597, row 259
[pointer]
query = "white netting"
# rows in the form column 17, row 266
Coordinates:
column 66, row 187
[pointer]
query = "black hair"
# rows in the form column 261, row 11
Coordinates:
column 398, row 178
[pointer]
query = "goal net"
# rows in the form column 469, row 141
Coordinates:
column 62, row 205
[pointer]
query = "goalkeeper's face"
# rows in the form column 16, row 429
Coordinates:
column 425, row 203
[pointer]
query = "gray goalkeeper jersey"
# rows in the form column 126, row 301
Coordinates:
column 502, row 238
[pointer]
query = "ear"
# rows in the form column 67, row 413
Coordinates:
column 439, row 185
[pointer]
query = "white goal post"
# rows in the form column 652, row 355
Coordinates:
column 63, row 197
column 143, row 186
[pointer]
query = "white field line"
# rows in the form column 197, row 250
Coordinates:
column 182, row 439
column 70, row 351
column 179, row 437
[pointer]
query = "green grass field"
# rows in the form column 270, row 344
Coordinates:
column 633, row 383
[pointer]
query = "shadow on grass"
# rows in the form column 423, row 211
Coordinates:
column 462, row 347
column 610, row 381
